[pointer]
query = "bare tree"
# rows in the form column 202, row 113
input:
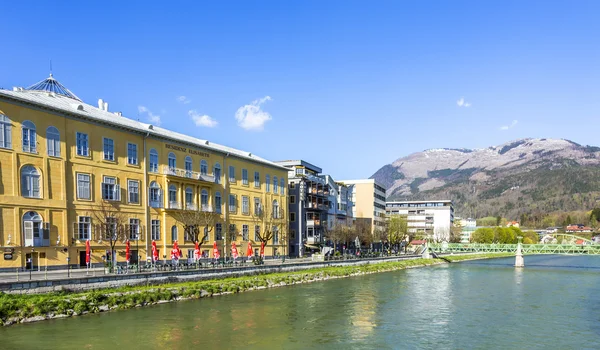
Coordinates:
column 193, row 221
column 362, row 229
column 271, row 220
column 111, row 225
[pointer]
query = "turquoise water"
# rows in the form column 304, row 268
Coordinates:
column 553, row 303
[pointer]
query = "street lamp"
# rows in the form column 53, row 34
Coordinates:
column 137, row 252
column 68, row 267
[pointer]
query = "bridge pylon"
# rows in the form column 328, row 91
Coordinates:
column 519, row 262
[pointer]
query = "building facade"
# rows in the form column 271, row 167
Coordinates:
column 368, row 202
column 430, row 219
column 72, row 172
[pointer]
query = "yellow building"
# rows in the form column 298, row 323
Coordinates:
column 368, row 197
column 72, row 172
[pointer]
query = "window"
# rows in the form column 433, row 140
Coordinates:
column 134, row 229
column 232, row 206
column 218, row 231
column 231, row 173
column 293, row 234
column 275, row 235
column 30, row 182
column 204, row 200
column 292, row 217
column 155, row 230
column 217, row 173
column 110, row 190
column 292, row 199
column 282, row 186
column 293, row 185
column 256, row 179
column 188, row 166
column 109, row 231
column 83, row 186
column 155, row 195
column 257, row 233
column 5, row 132
column 268, row 183
column 203, row 167
column 172, row 161
column 132, row 157
column 245, row 233
column 84, row 228
column 232, row 232
column 205, row 238
column 109, row 149
column 245, row 205
column 33, row 231
column 153, row 161
column 274, row 184
column 53, row 141
column 133, row 191
column 218, row 202
column 276, row 213
column 173, row 233
column 189, row 198
column 173, row 197
column 83, row 145
column 29, row 137
column 245, row 177
column 257, row 206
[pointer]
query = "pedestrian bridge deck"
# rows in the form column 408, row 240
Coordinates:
column 512, row 248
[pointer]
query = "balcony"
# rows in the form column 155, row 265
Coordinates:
column 175, row 205
column 314, row 240
column 207, row 208
column 340, row 212
column 188, row 174
column 191, row 206
column 315, row 222
column 156, row 204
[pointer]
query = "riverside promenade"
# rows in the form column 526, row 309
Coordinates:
column 98, row 278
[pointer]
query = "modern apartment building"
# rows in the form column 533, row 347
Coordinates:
column 72, row 172
column 368, row 199
column 432, row 219
column 340, row 203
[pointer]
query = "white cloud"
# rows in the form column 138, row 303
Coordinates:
column 202, row 119
column 251, row 116
column 462, row 103
column 183, row 99
column 512, row 125
column 152, row 118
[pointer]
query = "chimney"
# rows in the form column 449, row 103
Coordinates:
column 106, row 106
column 100, row 103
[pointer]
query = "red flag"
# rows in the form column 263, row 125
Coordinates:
column 88, row 252
column 197, row 251
column 154, row 252
column 234, row 252
column 127, row 251
column 262, row 250
column 216, row 253
column 249, row 250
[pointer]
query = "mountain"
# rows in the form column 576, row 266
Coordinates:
column 524, row 176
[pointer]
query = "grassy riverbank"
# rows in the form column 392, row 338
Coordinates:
column 16, row 308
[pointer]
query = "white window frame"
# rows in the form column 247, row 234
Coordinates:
column 256, row 179
column 232, row 207
column 108, row 149
column 155, row 195
column 29, row 137
column 203, row 167
column 275, row 183
column 30, row 182
column 133, row 190
column 82, row 144
column 245, row 177
column 134, row 229
column 110, row 187
column 5, row 132
column 218, row 231
column 80, row 188
column 132, row 154
column 231, row 173
column 84, row 228
column 218, row 200
column 245, row 232
column 52, row 141
column 153, row 165
column 268, row 182
column 155, row 230
column 246, row 205
column 256, row 233
column 172, row 161
column 217, row 173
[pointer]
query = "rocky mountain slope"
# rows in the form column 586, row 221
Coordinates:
column 526, row 176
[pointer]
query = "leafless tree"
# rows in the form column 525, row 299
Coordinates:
column 270, row 219
column 193, row 221
column 111, row 225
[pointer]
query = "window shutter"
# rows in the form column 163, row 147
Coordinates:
column 35, row 182
column 51, row 151
column 8, row 137
column 25, row 185
column 32, row 141
column 28, row 230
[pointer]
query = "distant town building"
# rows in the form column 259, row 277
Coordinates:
column 468, row 226
column 512, row 224
column 432, row 219
column 368, row 197
column 578, row 228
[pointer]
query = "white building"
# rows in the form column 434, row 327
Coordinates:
column 431, row 219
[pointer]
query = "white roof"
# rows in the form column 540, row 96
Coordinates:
column 77, row 108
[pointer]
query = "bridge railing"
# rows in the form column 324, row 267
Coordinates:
column 511, row 248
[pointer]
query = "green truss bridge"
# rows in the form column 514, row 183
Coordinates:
column 556, row 244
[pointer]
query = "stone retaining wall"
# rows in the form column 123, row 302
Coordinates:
column 155, row 278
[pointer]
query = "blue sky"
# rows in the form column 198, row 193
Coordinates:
column 346, row 85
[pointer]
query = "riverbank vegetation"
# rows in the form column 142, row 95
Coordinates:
column 21, row 308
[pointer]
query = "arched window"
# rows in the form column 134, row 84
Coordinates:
column 153, row 161
column 33, row 232
column 204, row 200
column 53, row 140
column 282, row 186
column 275, row 184
column 173, row 204
column 155, row 195
column 218, row 202
column 217, row 173
column 174, row 233
column 268, row 183
column 30, row 182
column 29, row 137
column 5, row 132
column 172, row 161
column 188, row 166
column 203, row 167
column 189, row 197
column 275, row 209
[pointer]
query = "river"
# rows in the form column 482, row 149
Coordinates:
column 553, row 303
